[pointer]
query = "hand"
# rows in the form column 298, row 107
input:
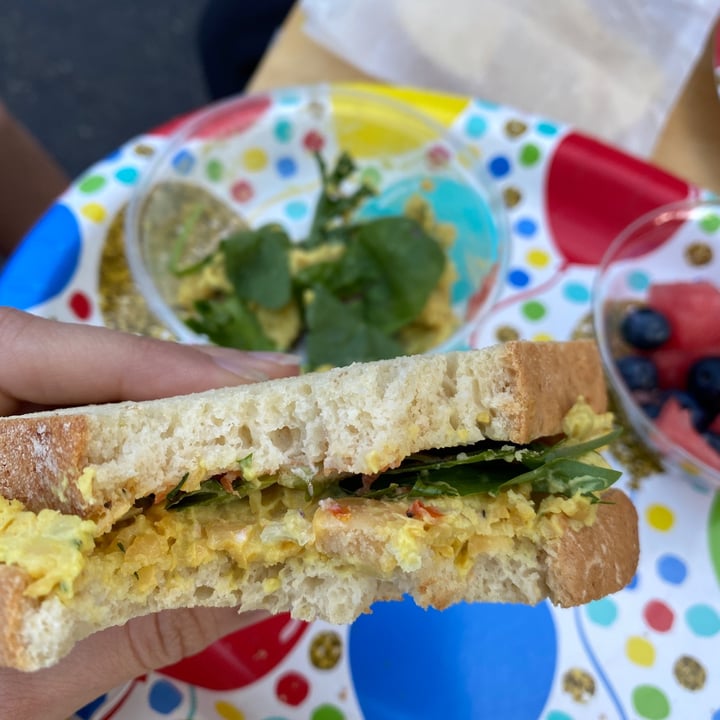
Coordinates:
column 50, row 364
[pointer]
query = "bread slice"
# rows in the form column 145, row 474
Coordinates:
column 357, row 554
column 280, row 549
column 96, row 461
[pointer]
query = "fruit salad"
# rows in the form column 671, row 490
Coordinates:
column 668, row 354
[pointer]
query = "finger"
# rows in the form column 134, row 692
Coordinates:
column 51, row 363
column 143, row 644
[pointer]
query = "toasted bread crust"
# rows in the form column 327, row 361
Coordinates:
column 583, row 565
column 548, row 382
column 14, row 611
column 41, row 458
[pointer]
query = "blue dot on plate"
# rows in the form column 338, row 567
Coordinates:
column 576, row 292
column 671, row 569
column 499, row 166
column 546, row 128
column 633, row 583
column 114, row 155
column 526, row 227
column 716, row 715
column 407, row 662
column 638, row 280
column 475, row 126
column 184, row 162
column 296, row 209
column 45, row 261
column 286, row 166
column 86, row 712
column 289, row 98
column 557, row 715
column 602, row 612
column 283, row 130
column 486, row 104
column 164, row 697
column 518, row 278
column 127, row 175
column 703, row 620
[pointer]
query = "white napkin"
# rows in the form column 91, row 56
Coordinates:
column 612, row 68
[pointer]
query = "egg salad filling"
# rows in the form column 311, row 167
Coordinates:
column 458, row 503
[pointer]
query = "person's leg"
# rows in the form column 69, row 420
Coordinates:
column 232, row 37
column 29, row 181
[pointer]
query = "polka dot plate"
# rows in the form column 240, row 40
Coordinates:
column 647, row 652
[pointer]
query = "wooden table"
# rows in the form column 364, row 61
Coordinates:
column 688, row 147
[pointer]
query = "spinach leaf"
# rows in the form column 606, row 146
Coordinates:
column 229, row 322
column 210, row 492
column 258, row 266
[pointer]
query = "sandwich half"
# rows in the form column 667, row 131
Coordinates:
column 469, row 476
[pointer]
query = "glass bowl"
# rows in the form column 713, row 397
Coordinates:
column 667, row 261
column 250, row 161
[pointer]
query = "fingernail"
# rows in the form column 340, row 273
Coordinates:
column 252, row 366
column 278, row 358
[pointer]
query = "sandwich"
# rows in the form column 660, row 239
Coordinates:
column 470, row 476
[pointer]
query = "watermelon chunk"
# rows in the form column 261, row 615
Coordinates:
column 693, row 310
column 675, row 422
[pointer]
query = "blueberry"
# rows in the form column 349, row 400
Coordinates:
column 703, row 382
column 639, row 373
column 713, row 440
column 699, row 417
column 645, row 328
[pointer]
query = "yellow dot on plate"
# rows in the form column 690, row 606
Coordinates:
column 255, row 159
column 660, row 517
column 228, row 712
column 94, row 212
column 542, row 337
column 640, row 651
column 537, row 258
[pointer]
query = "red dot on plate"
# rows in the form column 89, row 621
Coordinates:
column 658, row 616
column 80, row 305
column 242, row 191
column 292, row 688
column 314, row 141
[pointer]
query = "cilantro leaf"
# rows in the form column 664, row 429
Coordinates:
column 338, row 335
column 391, row 266
column 258, row 266
column 334, row 206
column 229, row 322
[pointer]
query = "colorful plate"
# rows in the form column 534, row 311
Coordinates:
column 650, row 651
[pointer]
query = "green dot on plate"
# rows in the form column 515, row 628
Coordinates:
column 327, row 712
column 533, row 310
column 371, row 176
column 710, row 223
column 214, row 169
column 650, row 702
column 92, row 184
column 529, row 154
